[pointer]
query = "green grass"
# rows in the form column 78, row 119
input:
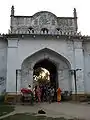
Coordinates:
column 32, row 117
column 5, row 109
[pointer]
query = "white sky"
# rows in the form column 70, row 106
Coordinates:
column 61, row 8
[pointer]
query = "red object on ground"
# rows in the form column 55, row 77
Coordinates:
column 25, row 90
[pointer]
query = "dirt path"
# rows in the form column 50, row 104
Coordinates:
column 67, row 110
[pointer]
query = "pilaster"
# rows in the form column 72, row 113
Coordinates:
column 30, row 79
column 60, row 78
column 12, row 65
column 18, row 81
column 79, row 66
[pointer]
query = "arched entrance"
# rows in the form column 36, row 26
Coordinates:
column 57, row 65
column 51, row 67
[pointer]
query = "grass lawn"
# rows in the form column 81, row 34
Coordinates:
column 5, row 109
column 32, row 117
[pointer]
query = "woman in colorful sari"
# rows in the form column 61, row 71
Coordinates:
column 38, row 92
column 59, row 95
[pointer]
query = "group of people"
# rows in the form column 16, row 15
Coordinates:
column 45, row 93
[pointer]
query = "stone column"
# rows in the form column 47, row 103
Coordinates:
column 73, row 83
column 18, row 81
column 12, row 65
column 79, row 64
column 60, row 78
column 30, row 79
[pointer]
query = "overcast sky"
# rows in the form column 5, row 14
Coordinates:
column 61, row 8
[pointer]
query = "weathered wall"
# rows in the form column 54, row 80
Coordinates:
column 3, row 64
column 24, row 47
column 29, row 47
column 43, row 19
column 62, row 66
column 86, row 46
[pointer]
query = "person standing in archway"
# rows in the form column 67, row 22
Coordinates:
column 38, row 92
column 51, row 94
column 31, row 94
column 59, row 95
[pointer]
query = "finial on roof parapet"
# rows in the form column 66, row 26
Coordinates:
column 75, row 18
column 12, row 10
column 75, row 13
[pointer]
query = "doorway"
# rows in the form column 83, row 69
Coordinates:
column 45, row 71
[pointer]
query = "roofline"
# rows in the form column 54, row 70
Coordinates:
column 71, row 37
column 32, row 16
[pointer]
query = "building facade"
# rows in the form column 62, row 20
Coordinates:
column 48, row 41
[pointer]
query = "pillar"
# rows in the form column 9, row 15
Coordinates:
column 30, row 79
column 60, row 78
column 12, row 65
column 79, row 64
column 18, row 81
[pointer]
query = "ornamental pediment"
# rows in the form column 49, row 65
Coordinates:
column 43, row 22
column 44, row 19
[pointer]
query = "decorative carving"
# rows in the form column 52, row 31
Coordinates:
column 75, row 13
column 12, row 11
column 43, row 20
column 70, row 23
column 53, row 22
column 36, row 22
column 65, row 22
column 78, row 45
column 70, row 45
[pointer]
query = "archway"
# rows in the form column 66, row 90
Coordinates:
column 55, row 63
column 51, row 67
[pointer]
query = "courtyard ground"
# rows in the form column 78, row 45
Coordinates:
column 55, row 110
column 5, row 109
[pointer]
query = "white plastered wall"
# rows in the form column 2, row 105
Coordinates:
column 20, row 49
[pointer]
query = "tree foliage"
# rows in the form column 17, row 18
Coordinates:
column 40, row 77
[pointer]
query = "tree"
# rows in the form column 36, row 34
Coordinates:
column 41, row 75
